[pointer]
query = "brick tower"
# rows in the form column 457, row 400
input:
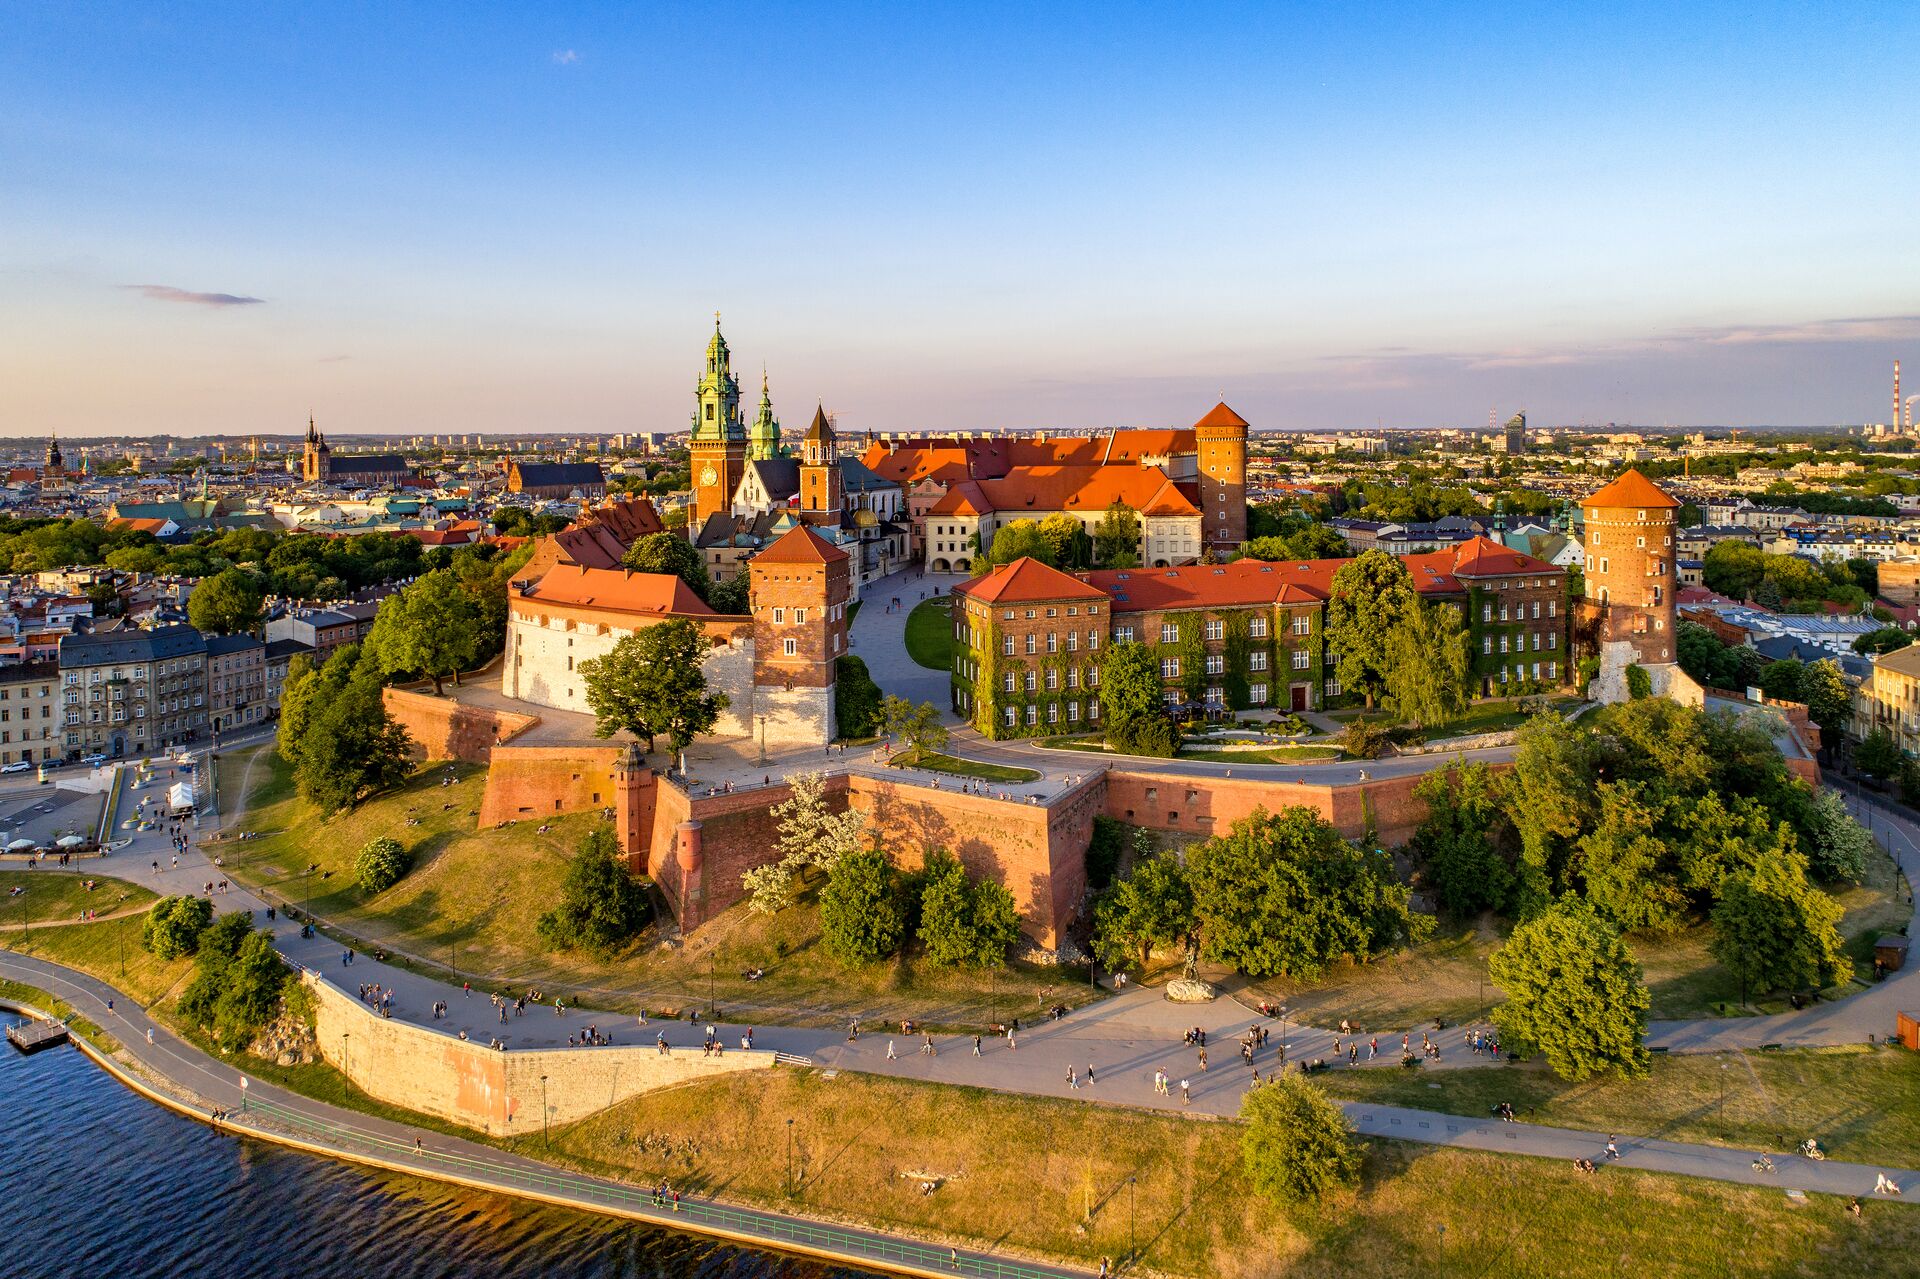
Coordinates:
column 802, row 585
column 718, row 448
column 1222, row 439
column 1630, row 582
column 820, row 472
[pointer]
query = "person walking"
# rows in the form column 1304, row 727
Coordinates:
column 976, row 1045
column 1186, row 1094
column 891, row 1055
column 1073, row 1080
column 1089, row 1072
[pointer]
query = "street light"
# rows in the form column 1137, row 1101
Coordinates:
column 545, row 1132
column 1130, row 1256
column 789, row 1154
column 1283, row 1036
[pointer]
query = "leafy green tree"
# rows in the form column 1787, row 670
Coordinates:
column 1427, row 661
column 861, row 915
column 1639, row 683
column 1839, row 846
column 431, row 628
column 1297, row 1146
column 672, row 555
column 1879, row 755
column 964, row 922
column 1828, row 696
column 856, row 699
column 296, row 699
column 1888, row 639
column 1548, row 796
column 1133, row 703
column 228, row 603
column 1775, row 931
column 1574, row 992
column 1625, row 865
column 173, row 926
column 1022, row 539
column 1734, row 568
column 1714, row 839
column 652, row 684
column 237, row 984
column 1285, row 894
column 1116, row 538
column 1782, row 679
column 379, row 864
column 1456, row 839
column 1152, row 906
column 1307, row 540
column 601, row 906
column 812, row 837
column 351, row 748
column 917, row 728
column 1072, row 548
column 1371, row 597
column 733, row 596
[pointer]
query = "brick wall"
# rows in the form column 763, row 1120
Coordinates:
column 496, row 1092
column 527, row 782
column 446, row 729
column 1203, row 807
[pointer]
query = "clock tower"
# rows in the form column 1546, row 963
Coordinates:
column 718, row 449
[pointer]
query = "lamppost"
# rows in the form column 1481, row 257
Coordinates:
column 1283, row 1036
column 1130, row 1258
column 789, row 1154
column 545, row 1132
column 311, row 867
column 713, row 998
column 343, row 1052
column 763, row 737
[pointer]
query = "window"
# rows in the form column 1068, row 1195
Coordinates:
column 1008, row 683
column 1553, row 639
column 1006, row 646
column 1093, row 639
column 1486, row 612
column 1169, row 633
column 1121, row 635
column 1536, row 610
column 1169, row 668
column 790, row 647
column 1073, row 677
column 1073, row 712
column 1257, row 661
column 1302, row 659
column 1333, row 688
column 1093, row 709
column 1053, row 680
column 1257, row 628
column 799, row 615
column 1216, row 664
column 1053, row 642
column 1553, row 608
column 1073, row 641
column 1030, row 614
column 1553, row 670
column 1303, row 624
column 1486, row 643
column 1093, row 677
column 1053, row 712
column 1010, row 714
column 1503, row 643
column 1032, row 641
column 1257, row 694
column 1033, row 716
column 1216, row 629
column 779, row 616
column 1503, row 608
column 1031, row 685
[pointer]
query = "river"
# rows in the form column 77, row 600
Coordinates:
column 95, row 1180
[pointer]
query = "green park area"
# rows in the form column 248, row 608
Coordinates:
column 930, row 634
column 976, row 769
column 59, row 896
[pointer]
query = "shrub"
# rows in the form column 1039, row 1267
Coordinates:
column 174, row 925
column 1297, row 1146
column 856, row 705
column 1639, row 683
column 380, row 864
column 1365, row 739
column 861, row 918
column 964, row 922
column 601, row 905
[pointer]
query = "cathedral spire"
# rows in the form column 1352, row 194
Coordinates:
column 763, row 438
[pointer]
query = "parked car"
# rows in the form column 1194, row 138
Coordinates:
column 93, row 761
column 20, row 767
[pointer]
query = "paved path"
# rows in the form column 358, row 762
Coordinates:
column 191, row 1081
column 1849, row 1021
column 879, row 637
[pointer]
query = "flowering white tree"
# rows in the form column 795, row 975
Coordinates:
column 812, row 837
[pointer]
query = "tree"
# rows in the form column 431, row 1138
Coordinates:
column 1135, row 708
column 1839, row 846
column 228, row 603
column 861, row 915
column 1116, row 538
column 652, row 684
column 1371, row 595
column 351, row 748
column 1879, row 755
column 1152, row 906
column 918, row 728
column 238, row 980
column 1782, row 680
column 1625, row 865
column 1828, row 696
column 962, row 922
column 1297, row 1146
column 811, row 837
column 1574, row 993
column 856, row 699
column 733, row 596
column 1022, row 539
column 173, row 926
column 432, row 628
column 1734, row 568
column 1456, row 839
column 1285, row 894
column 1775, row 931
column 379, row 864
column 1548, row 796
column 1072, row 548
column 601, row 906
column 1887, row 639
column 1425, row 680
column 672, row 555
column 296, row 692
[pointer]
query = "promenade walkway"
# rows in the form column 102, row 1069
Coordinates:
column 177, row 1074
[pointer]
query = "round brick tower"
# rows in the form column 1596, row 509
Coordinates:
column 1630, row 580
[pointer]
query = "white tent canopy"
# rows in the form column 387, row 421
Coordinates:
column 71, row 841
column 19, row 844
column 180, row 796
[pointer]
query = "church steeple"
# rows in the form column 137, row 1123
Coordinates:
column 819, row 473
column 716, row 414
column 763, row 438
column 55, row 462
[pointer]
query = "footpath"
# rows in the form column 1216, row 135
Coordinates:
column 179, row 1076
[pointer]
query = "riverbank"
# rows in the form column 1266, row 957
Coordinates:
column 1023, row 1170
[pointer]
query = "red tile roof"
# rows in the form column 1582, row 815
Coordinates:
column 1027, row 579
column 1631, row 490
column 618, row 590
column 800, row 545
column 1220, row 415
column 1237, row 585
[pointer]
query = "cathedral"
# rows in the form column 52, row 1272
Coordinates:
column 318, row 465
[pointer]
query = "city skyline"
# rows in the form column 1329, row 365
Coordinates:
column 222, row 220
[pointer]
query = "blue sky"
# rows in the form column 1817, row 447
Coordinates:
column 521, row 218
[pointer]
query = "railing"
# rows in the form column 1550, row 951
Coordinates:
column 742, row 1223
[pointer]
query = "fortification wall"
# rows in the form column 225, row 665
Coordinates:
column 445, row 729
column 494, row 1092
column 1205, row 806
column 525, row 782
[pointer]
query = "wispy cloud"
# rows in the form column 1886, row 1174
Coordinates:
column 167, row 293
column 334, row 359
column 1886, row 327
column 565, row 57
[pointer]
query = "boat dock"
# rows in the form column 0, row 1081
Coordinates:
column 32, row 1036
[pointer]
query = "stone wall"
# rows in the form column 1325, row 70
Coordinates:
column 1205, row 806
column 499, row 1093
column 445, row 729
column 527, row 782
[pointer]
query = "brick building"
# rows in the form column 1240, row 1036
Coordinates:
column 1249, row 635
column 802, row 585
column 1631, row 579
column 29, row 722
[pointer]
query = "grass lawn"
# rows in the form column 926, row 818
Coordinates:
column 1491, row 716
column 938, row 763
column 101, row 949
column 1861, row 1104
column 482, row 892
column 1052, row 1176
column 62, row 895
column 1267, row 755
column 930, row 634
